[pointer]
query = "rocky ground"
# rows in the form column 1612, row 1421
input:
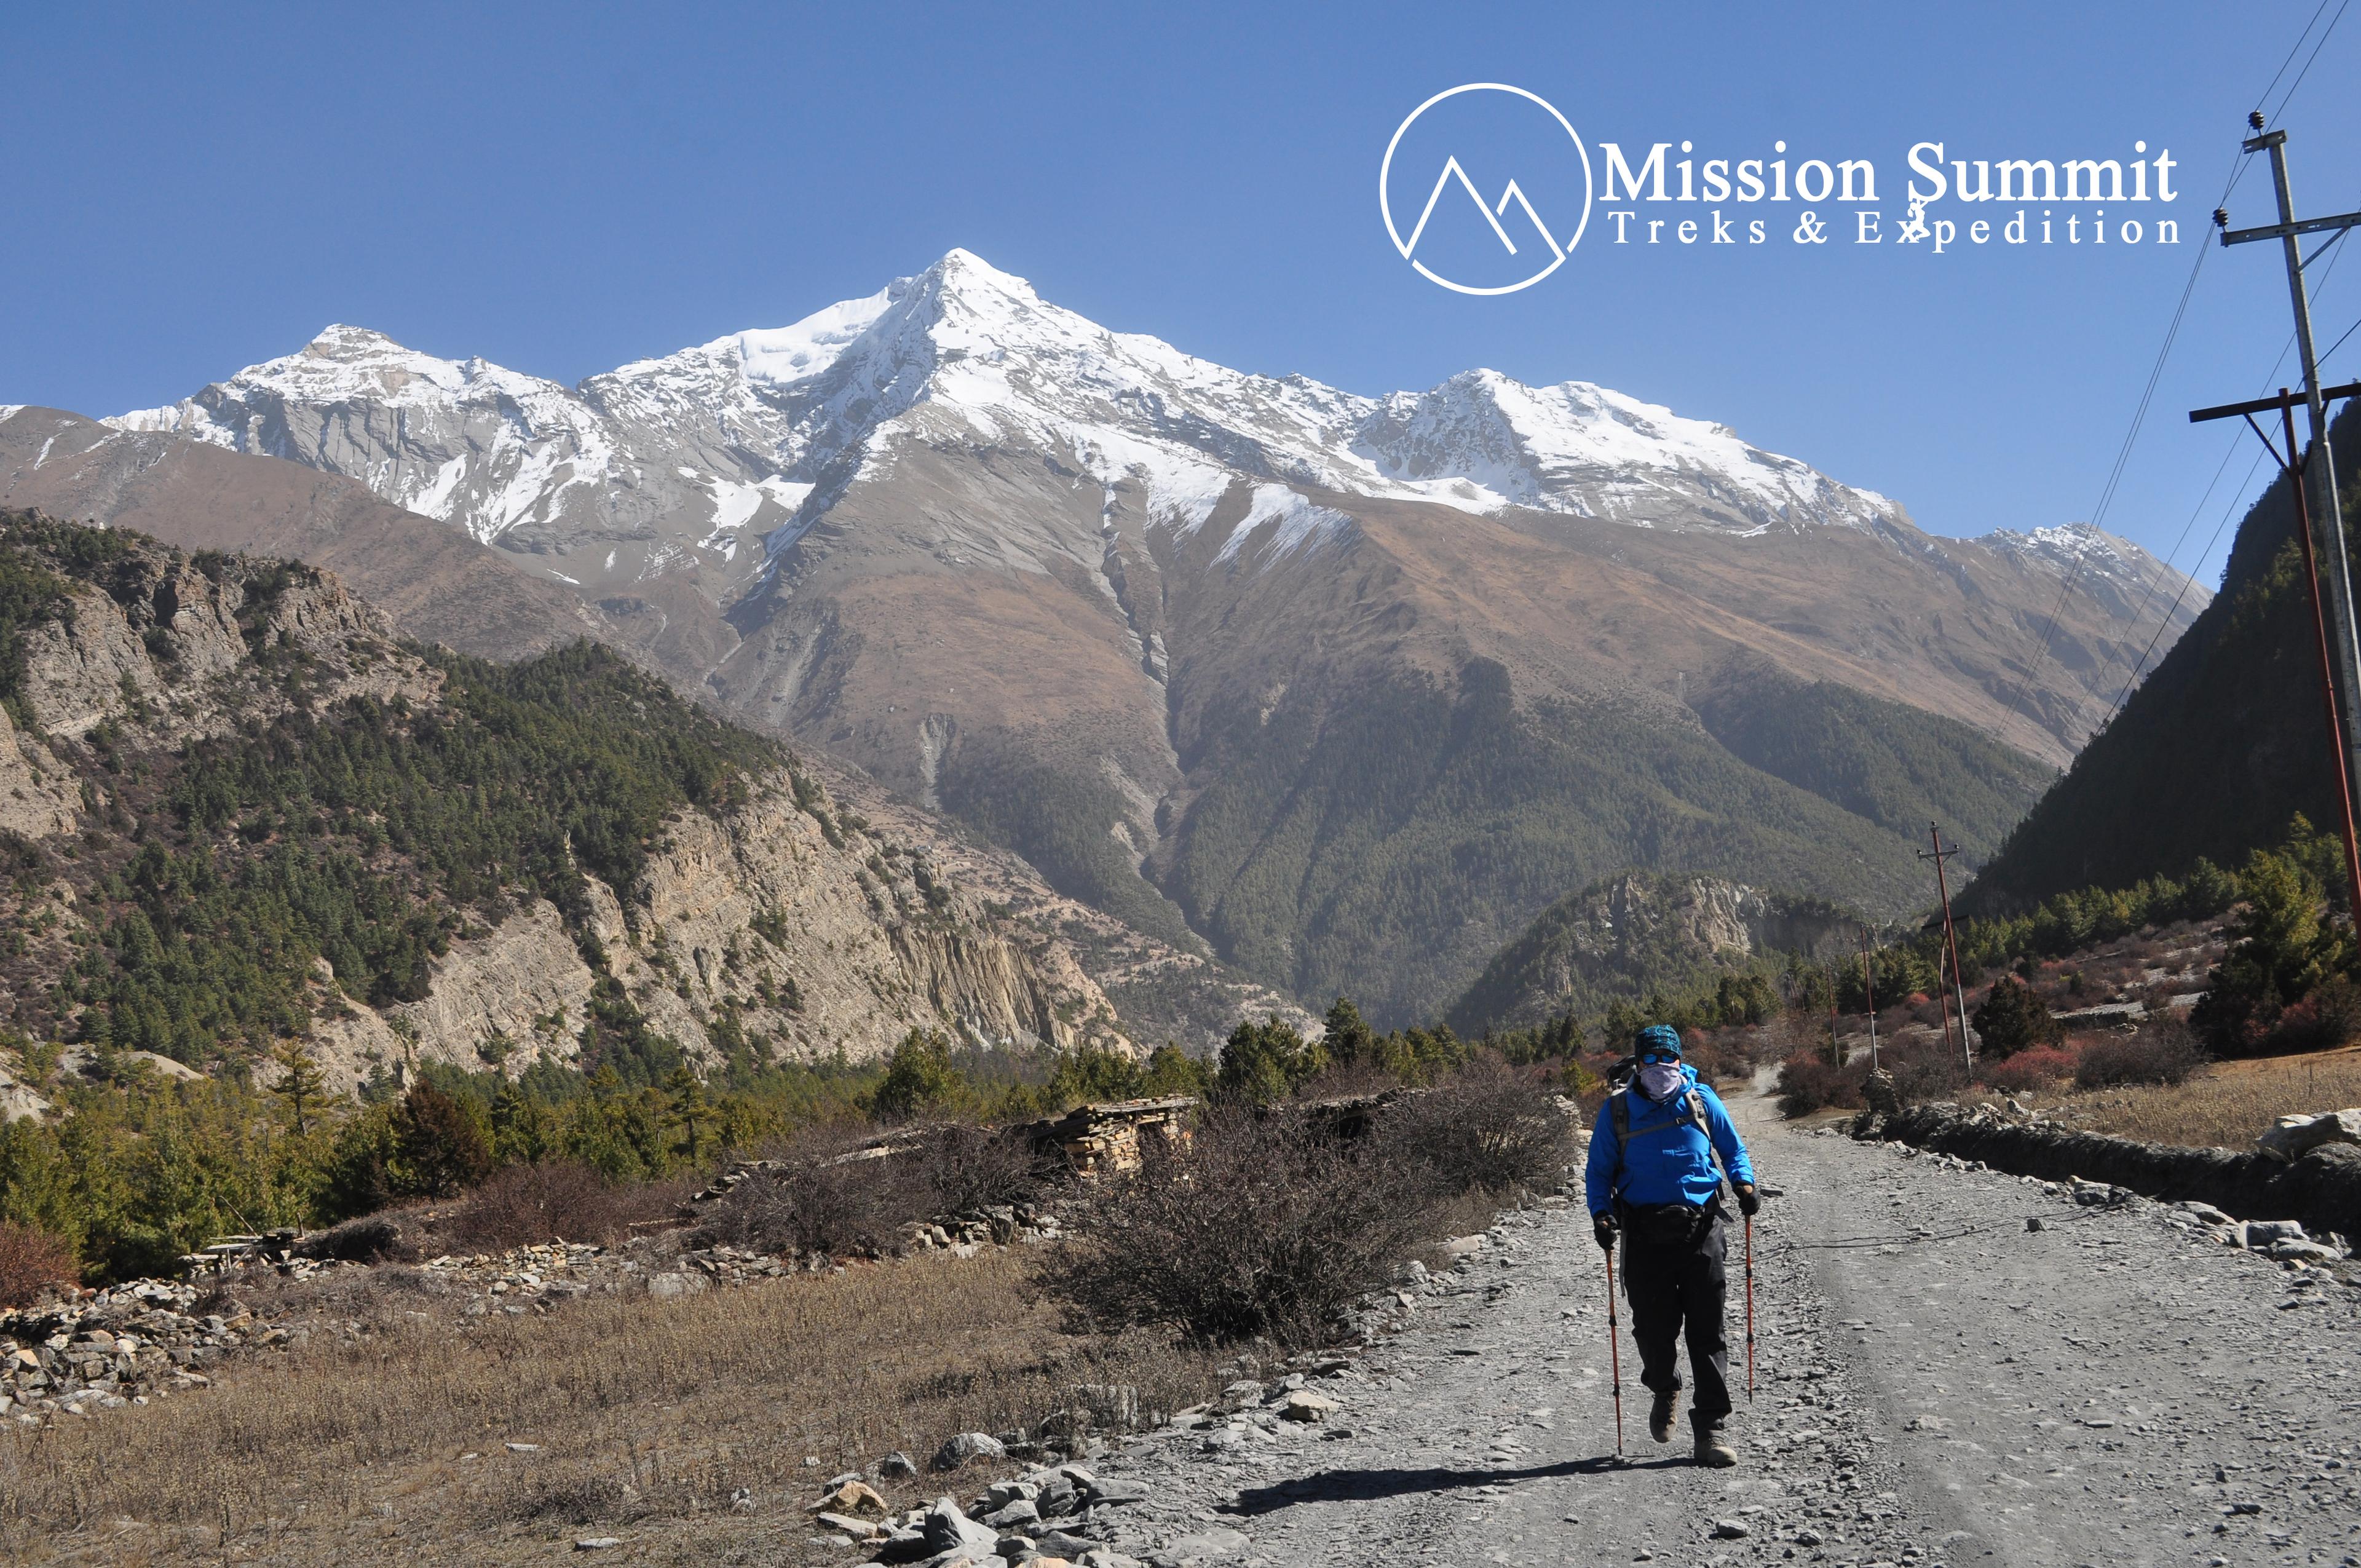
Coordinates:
column 1937, row 1383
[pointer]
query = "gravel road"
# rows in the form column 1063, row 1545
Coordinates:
column 1935, row 1385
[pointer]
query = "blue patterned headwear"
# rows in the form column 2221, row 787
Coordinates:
column 1657, row 1038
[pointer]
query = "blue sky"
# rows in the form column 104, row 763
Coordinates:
column 567, row 187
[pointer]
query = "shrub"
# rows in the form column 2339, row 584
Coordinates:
column 31, row 1260
column 920, row 1076
column 560, row 1200
column 440, row 1149
column 1266, row 1062
column 854, row 1209
column 1490, row 1129
column 1807, row 1082
column 2162, row 1053
column 1717, row 1058
column 373, row 1238
column 2029, row 1069
column 1256, row 1226
column 2322, row 1021
column 963, row 1167
column 2014, row 1018
column 2281, row 951
column 1924, row 1070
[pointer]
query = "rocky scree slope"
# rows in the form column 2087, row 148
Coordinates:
column 238, row 807
column 1351, row 688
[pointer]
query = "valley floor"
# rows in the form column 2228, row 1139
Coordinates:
column 1936, row 1384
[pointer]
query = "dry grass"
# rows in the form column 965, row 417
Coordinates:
column 649, row 1415
column 2226, row 1104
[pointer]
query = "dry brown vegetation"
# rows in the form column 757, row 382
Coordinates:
column 648, row 1414
column 1269, row 1225
column 2223, row 1106
column 32, row 1261
column 561, row 1200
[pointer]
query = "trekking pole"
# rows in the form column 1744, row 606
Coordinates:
column 1614, row 1353
column 1750, row 1309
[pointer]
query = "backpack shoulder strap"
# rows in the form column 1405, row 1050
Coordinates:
column 1619, row 1111
column 1696, row 1109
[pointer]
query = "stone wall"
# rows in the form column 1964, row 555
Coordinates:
column 2321, row 1188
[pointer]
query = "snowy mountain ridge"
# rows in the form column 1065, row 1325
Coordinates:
column 739, row 433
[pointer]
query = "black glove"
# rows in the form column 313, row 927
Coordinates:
column 1748, row 1201
column 1602, row 1226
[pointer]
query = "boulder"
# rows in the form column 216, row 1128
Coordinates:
column 969, row 1445
column 2264, row 1235
column 2293, row 1135
column 852, row 1496
column 948, row 1530
column 1241, row 1394
column 2304, row 1252
column 903, row 1546
column 1014, row 1516
column 1302, row 1405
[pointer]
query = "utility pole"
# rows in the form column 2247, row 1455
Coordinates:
column 1951, row 941
column 1869, row 990
column 1836, row 1023
column 2291, row 466
column 2321, row 471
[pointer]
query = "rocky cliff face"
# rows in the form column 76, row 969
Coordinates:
column 770, row 917
column 1638, row 933
column 754, row 922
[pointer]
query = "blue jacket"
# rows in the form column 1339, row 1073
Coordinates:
column 1668, row 1160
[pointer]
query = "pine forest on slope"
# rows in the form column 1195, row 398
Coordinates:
column 237, row 811
column 2215, row 750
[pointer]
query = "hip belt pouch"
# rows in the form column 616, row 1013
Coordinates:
column 1665, row 1224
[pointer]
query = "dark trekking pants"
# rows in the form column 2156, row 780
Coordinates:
column 1676, row 1292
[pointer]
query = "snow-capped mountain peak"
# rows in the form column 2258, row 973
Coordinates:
column 685, row 457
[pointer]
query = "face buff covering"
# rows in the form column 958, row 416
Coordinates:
column 1659, row 1081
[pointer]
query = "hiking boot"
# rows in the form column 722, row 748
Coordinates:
column 1713, row 1450
column 1660, row 1417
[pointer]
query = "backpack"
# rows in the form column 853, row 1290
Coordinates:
column 1669, row 1223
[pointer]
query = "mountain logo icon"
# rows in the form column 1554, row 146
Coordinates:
column 1495, row 125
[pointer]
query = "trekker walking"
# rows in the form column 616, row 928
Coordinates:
column 1652, row 1179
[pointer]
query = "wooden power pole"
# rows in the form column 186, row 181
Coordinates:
column 2322, row 470
column 1938, row 854
column 1869, row 991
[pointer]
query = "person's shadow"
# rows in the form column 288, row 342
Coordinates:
column 1368, row 1485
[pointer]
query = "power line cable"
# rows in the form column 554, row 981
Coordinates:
column 2340, row 342
column 2147, row 394
column 2291, row 52
column 2307, row 64
column 2199, row 510
column 2188, row 580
